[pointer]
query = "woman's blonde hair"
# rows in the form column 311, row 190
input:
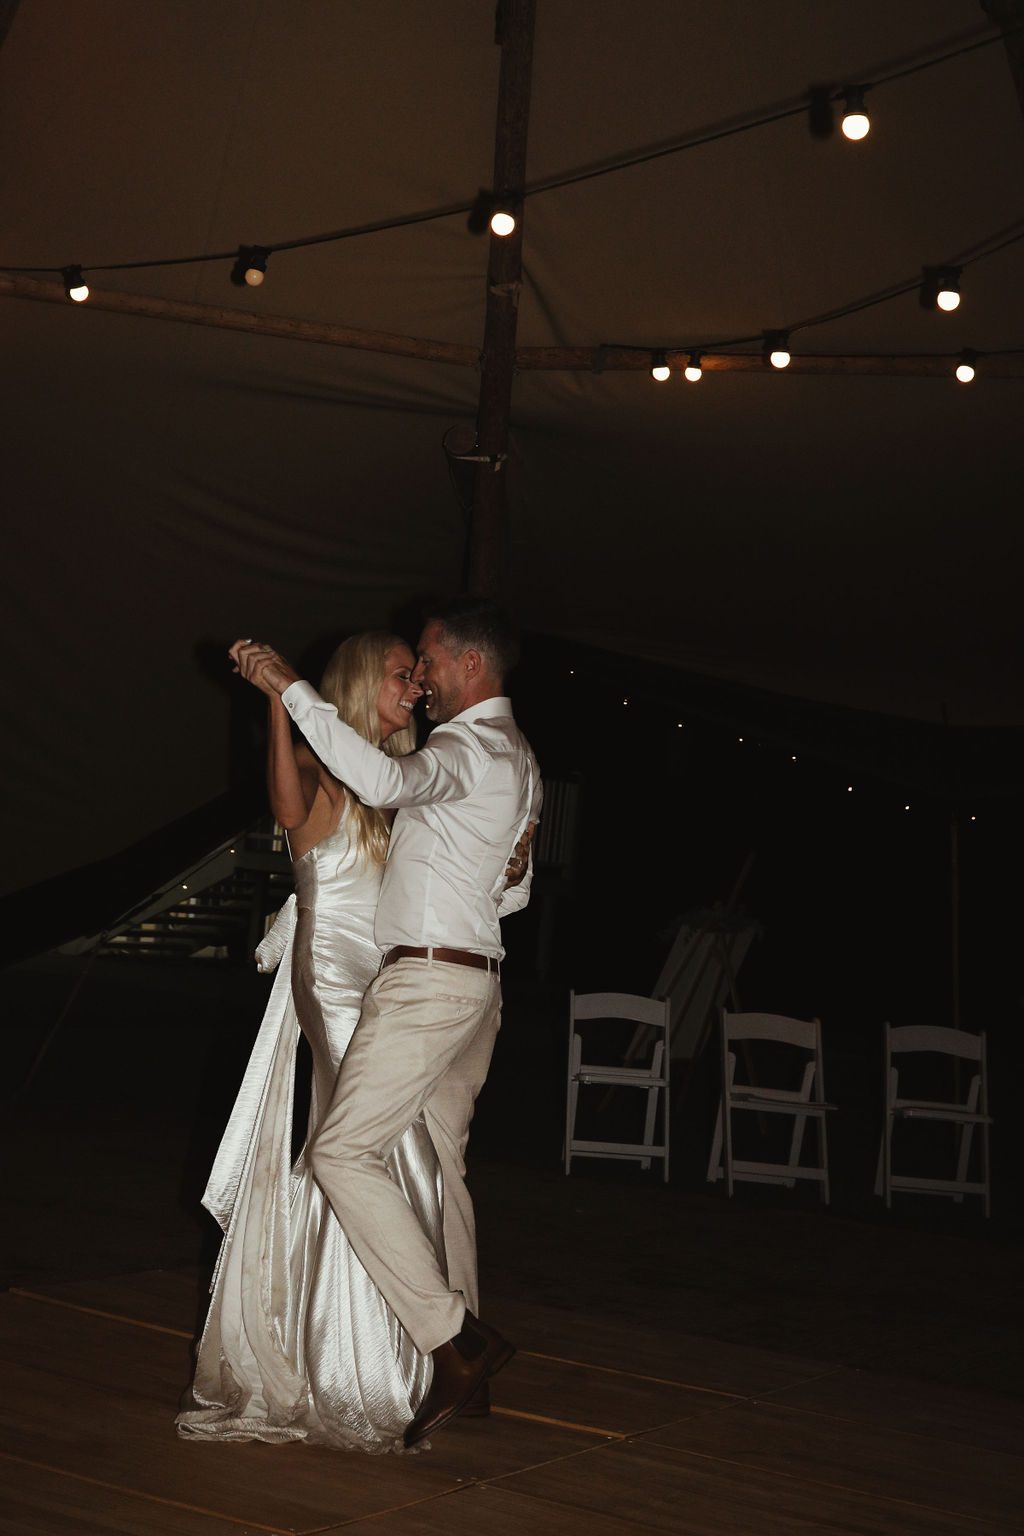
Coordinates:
column 351, row 682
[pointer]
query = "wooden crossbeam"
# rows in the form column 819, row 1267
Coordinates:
column 527, row 359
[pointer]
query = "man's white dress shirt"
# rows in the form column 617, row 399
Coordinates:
column 463, row 801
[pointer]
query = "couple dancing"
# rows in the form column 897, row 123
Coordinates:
column 344, row 1301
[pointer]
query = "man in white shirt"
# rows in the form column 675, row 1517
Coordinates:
column 430, row 1019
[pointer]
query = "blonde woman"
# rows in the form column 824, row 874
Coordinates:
column 298, row 1344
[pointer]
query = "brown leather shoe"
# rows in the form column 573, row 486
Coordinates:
column 461, row 1367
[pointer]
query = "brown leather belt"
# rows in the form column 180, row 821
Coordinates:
column 450, row 956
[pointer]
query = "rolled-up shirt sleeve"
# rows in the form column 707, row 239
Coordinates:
column 513, row 898
column 447, row 768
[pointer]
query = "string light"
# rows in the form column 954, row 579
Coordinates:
column 74, row 287
column 693, row 370
column 849, row 789
column 250, row 266
column 856, row 124
column 660, row 369
column 965, row 367
column 940, row 288
column 502, row 220
column 776, row 348
column 500, row 210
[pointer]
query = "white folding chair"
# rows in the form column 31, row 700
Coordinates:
column 651, row 1078
column 967, row 1112
column 805, row 1102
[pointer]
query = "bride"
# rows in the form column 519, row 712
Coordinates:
column 298, row 1344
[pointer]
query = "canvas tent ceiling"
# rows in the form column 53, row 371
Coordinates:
column 851, row 540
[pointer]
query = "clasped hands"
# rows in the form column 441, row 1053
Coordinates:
column 260, row 665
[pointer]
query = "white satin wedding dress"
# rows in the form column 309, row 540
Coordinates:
column 298, row 1344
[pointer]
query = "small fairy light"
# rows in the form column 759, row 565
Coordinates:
column 184, row 886
column 625, row 701
column 572, row 672
column 776, row 348
column 965, row 367
column 855, row 124
column 256, row 266
column 693, row 370
column 76, row 289
column 974, row 818
column 906, row 807
column 940, row 288
column 849, row 789
column 792, row 759
column 739, row 738
column 503, row 219
column 679, row 725
column 660, row 370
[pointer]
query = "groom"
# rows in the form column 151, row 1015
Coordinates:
column 430, row 1019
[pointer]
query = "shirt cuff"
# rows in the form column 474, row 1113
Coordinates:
column 298, row 698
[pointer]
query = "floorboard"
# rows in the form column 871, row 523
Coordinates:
column 841, row 1452
column 657, row 1349
column 988, row 1420
column 97, row 1398
column 491, row 1510
column 38, row 1501
column 661, row 1489
column 603, row 1426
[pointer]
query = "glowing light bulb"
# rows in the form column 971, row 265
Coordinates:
column 965, row 367
column 693, row 370
column 776, row 348
column 250, row 266
column 856, row 124
column 502, row 222
column 660, row 369
column 256, row 266
column 940, row 288
column 74, row 287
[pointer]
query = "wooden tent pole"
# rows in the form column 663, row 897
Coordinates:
column 1008, row 15
column 485, row 556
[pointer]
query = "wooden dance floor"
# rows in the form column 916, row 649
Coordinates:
column 601, row 1428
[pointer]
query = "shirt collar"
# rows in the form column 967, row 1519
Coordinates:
column 487, row 709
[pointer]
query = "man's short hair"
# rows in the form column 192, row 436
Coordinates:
column 475, row 623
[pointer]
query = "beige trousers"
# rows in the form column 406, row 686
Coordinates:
column 423, row 1043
